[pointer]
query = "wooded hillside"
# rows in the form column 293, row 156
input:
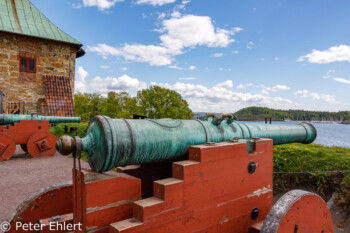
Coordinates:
column 259, row 114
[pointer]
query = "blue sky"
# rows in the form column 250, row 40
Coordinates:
column 219, row 55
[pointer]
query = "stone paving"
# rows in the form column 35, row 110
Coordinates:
column 22, row 175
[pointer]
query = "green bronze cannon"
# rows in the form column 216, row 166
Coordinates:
column 29, row 131
column 15, row 118
column 119, row 142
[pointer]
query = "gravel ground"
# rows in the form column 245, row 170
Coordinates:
column 22, row 175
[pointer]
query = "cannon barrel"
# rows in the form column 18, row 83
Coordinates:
column 119, row 142
column 15, row 118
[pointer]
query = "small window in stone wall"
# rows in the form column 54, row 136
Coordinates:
column 27, row 64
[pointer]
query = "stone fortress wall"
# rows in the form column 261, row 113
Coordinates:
column 52, row 58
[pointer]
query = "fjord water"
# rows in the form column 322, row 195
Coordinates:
column 328, row 134
column 332, row 134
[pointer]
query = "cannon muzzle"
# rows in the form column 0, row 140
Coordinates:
column 15, row 118
column 119, row 142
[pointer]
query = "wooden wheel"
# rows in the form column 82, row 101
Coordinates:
column 299, row 211
column 41, row 144
column 7, row 146
column 50, row 201
column 24, row 147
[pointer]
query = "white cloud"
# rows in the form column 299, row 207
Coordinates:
column 122, row 83
column 105, row 85
column 277, row 58
column 124, row 68
column 302, row 93
column 235, row 52
column 176, row 14
column 224, row 69
column 329, row 74
column 161, row 15
column 191, row 31
column 104, row 67
column 235, row 30
column 180, row 7
column 152, row 54
column 107, row 4
column 185, row 2
column 80, row 82
column 250, row 44
column 240, row 86
column 316, row 96
column 277, row 87
column 220, row 99
column 227, row 83
column 333, row 54
column 337, row 79
column 176, row 67
column 217, row 55
column 101, row 4
column 342, row 80
column 265, row 92
column 182, row 68
column 217, row 98
column 188, row 78
column 179, row 35
column 104, row 50
column 155, row 2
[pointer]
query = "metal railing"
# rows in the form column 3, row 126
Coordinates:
column 17, row 108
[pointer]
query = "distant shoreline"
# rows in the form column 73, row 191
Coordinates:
column 255, row 113
column 319, row 122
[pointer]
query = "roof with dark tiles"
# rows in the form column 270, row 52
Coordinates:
column 59, row 97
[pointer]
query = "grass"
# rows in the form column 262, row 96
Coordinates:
column 58, row 130
column 312, row 157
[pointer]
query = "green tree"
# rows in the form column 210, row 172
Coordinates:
column 119, row 105
column 87, row 105
column 110, row 105
column 157, row 102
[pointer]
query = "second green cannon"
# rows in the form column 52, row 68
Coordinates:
column 119, row 142
column 29, row 131
column 16, row 118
